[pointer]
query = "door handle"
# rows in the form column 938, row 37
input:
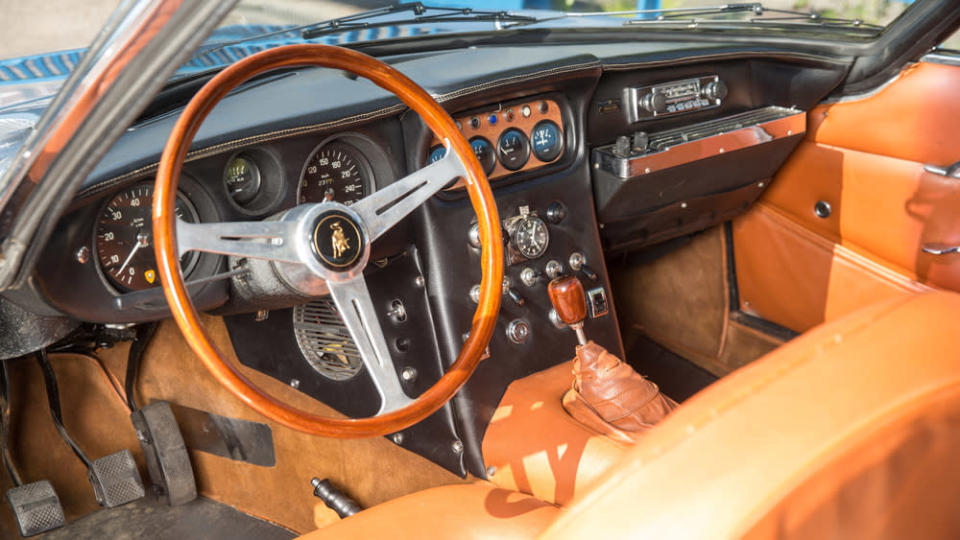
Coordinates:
column 939, row 248
column 950, row 171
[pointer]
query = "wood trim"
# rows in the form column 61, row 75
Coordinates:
column 185, row 314
column 510, row 116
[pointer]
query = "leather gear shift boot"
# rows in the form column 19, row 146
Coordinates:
column 609, row 397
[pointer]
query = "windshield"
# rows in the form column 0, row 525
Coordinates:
column 46, row 46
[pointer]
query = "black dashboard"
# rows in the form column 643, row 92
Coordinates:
column 574, row 140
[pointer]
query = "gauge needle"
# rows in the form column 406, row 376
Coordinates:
column 142, row 241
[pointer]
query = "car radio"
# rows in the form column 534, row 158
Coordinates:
column 676, row 97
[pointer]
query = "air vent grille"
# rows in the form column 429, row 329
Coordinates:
column 325, row 341
column 673, row 137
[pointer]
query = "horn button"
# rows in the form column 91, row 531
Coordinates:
column 338, row 242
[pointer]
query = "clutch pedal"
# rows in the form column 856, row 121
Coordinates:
column 36, row 507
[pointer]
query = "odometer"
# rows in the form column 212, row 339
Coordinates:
column 334, row 172
column 124, row 239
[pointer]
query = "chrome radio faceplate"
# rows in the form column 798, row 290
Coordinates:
column 676, row 97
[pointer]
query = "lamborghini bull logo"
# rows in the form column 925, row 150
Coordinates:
column 338, row 240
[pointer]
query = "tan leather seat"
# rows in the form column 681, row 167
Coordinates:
column 457, row 511
column 849, row 430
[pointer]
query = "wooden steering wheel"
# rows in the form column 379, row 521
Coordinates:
column 323, row 247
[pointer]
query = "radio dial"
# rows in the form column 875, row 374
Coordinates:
column 654, row 102
column 715, row 90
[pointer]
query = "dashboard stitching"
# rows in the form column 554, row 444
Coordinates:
column 380, row 113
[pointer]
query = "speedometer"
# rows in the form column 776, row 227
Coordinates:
column 335, row 172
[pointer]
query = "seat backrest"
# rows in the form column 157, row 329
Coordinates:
column 851, row 430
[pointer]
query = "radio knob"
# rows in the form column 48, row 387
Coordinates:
column 715, row 90
column 654, row 102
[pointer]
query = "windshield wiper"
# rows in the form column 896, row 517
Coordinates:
column 361, row 21
column 705, row 15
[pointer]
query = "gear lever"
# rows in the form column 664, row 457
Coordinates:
column 607, row 395
column 570, row 303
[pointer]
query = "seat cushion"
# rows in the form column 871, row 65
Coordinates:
column 460, row 511
column 535, row 447
column 850, row 430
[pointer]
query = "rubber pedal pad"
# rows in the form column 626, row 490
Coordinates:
column 36, row 508
column 115, row 479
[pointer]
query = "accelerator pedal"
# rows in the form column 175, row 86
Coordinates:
column 115, row 479
column 36, row 508
column 165, row 452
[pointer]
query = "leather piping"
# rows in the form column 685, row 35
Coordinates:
column 351, row 120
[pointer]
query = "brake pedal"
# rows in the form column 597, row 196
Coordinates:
column 168, row 461
column 36, row 508
column 115, row 479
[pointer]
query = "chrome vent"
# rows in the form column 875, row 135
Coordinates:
column 673, row 137
column 325, row 341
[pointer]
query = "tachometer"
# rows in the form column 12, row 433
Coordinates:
column 124, row 239
column 334, row 172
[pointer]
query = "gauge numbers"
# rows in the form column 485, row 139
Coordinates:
column 334, row 172
column 124, row 239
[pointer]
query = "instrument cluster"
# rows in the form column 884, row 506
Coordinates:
column 253, row 183
column 518, row 137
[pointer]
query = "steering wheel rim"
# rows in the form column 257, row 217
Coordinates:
column 185, row 313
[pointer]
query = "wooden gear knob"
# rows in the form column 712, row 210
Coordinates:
column 568, row 299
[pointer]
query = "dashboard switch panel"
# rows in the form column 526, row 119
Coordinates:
column 676, row 97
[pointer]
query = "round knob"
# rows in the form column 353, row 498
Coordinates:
column 529, row 276
column 556, row 212
column 555, row 319
column 518, row 331
column 654, row 102
column 577, row 260
column 473, row 236
column 553, row 269
column 715, row 90
column 567, row 297
column 475, row 294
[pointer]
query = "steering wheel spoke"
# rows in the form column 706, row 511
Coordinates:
column 358, row 313
column 385, row 208
column 271, row 240
column 331, row 242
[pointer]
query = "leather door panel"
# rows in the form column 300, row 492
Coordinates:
column 865, row 158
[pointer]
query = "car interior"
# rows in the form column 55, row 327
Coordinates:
column 755, row 239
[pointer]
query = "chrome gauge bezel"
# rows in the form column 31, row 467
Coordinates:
column 106, row 277
column 522, row 247
column 367, row 172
